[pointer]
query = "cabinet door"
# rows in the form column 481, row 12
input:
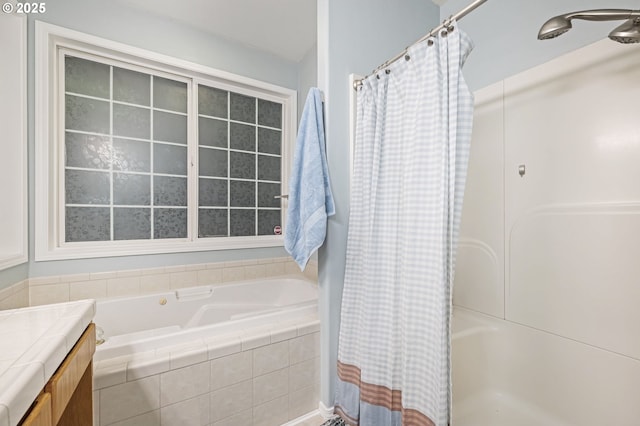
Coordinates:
column 40, row 415
column 71, row 385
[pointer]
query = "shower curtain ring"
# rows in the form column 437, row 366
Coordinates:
column 447, row 22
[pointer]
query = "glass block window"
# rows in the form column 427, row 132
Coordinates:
column 125, row 153
column 143, row 154
column 240, row 164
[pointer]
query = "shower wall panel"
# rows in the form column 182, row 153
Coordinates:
column 479, row 279
column 573, row 220
column 550, row 230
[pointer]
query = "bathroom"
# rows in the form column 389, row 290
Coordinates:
column 350, row 37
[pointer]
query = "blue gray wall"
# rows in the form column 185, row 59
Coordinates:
column 14, row 275
column 307, row 76
column 114, row 21
column 111, row 20
column 505, row 34
column 354, row 36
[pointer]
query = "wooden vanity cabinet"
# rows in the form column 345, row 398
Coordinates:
column 67, row 398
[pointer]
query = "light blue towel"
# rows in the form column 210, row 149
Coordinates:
column 310, row 199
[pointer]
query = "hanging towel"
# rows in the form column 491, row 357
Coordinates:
column 310, row 199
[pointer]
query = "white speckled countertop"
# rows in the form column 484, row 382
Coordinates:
column 33, row 343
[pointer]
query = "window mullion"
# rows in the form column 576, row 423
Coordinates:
column 228, row 164
column 255, row 225
column 59, row 152
column 192, row 169
column 111, row 175
column 151, row 162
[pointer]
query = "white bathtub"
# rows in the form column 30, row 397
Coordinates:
column 506, row 374
column 237, row 353
column 143, row 323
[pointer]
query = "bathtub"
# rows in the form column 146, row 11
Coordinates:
column 507, row 374
column 128, row 325
column 236, row 353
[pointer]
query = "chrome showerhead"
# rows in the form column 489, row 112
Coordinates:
column 628, row 32
column 554, row 27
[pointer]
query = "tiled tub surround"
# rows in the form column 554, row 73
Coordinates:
column 15, row 296
column 264, row 375
column 98, row 285
column 33, row 343
column 237, row 354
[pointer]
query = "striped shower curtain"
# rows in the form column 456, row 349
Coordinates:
column 412, row 145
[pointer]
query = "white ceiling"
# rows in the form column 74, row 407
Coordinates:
column 286, row 28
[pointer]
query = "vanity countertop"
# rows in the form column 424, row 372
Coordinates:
column 33, row 343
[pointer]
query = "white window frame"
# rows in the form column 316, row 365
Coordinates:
column 49, row 146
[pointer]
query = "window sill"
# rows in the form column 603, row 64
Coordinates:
column 90, row 250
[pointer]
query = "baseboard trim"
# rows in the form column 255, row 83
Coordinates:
column 302, row 418
column 325, row 412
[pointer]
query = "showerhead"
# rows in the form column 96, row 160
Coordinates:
column 554, row 27
column 628, row 32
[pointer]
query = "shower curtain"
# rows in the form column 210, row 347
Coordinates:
column 412, row 144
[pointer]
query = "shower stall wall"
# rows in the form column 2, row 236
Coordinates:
column 546, row 319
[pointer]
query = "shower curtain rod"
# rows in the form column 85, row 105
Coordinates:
column 461, row 14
